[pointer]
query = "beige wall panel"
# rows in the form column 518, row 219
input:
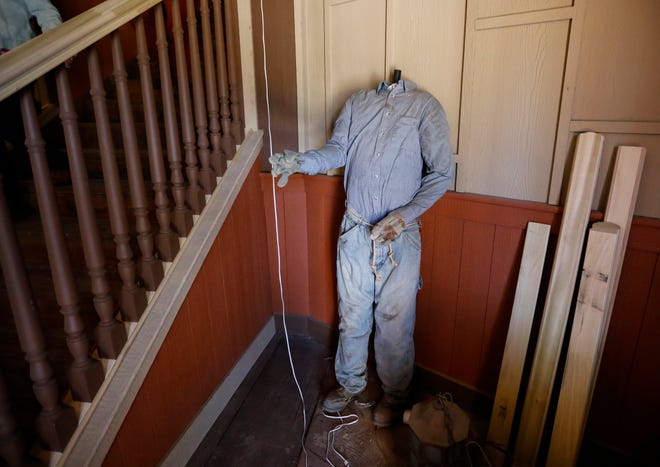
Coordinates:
column 354, row 48
column 511, row 95
column 619, row 69
column 425, row 41
column 648, row 199
column 486, row 8
column 310, row 73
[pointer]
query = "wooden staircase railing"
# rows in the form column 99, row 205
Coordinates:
column 190, row 137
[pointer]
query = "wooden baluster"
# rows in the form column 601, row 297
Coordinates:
column 195, row 193
column 12, row 448
column 181, row 215
column 167, row 241
column 217, row 157
column 233, row 69
column 55, row 423
column 85, row 374
column 132, row 298
column 150, row 267
column 228, row 143
column 110, row 334
column 206, row 173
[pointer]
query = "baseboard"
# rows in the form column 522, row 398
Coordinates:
column 300, row 325
column 185, row 447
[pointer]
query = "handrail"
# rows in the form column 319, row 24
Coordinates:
column 30, row 60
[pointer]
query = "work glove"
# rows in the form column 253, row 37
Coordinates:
column 388, row 228
column 285, row 164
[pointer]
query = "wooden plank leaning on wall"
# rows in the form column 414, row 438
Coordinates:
column 520, row 327
column 558, row 299
column 591, row 321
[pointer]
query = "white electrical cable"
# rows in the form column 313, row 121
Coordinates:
column 277, row 239
column 331, row 435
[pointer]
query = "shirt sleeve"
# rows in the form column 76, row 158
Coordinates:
column 46, row 14
column 438, row 159
column 335, row 151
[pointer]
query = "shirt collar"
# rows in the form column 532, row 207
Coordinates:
column 402, row 86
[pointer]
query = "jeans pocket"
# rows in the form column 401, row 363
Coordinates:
column 413, row 237
column 349, row 228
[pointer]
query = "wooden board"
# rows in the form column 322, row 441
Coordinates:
column 620, row 208
column 522, row 316
column 585, row 351
column 558, row 299
column 587, row 334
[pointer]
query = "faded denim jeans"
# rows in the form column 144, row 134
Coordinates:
column 377, row 284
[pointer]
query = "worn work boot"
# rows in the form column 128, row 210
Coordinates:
column 388, row 411
column 338, row 399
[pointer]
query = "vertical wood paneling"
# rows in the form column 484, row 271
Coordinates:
column 295, row 230
column 234, row 298
column 644, row 381
column 507, row 253
column 114, row 457
column 620, row 346
column 474, row 280
column 136, row 433
column 440, row 292
column 218, row 314
column 204, row 362
column 325, row 208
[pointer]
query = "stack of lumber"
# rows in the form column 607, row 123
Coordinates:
column 602, row 261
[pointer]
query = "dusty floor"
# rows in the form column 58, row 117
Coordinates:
column 263, row 423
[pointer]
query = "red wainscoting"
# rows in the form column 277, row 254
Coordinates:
column 472, row 246
column 227, row 306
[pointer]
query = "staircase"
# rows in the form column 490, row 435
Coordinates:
column 99, row 224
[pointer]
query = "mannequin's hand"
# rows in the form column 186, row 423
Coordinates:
column 285, row 164
column 389, row 228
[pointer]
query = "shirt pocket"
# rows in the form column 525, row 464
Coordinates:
column 405, row 134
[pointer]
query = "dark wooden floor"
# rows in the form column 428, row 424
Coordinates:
column 262, row 424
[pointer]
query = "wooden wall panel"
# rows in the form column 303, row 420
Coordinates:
column 512, row 88
column 325, row 209
column 507, row 254
column 436, row 315
column 281, row 68
column 415, row 27
column 354, row 50
column 644, row 382
column 648, row 201
column 619, row 62
column 628, row 380
column 224, row 310
column 474, row 280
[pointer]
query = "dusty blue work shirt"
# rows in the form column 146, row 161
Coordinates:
column 394, row 144
column 15, row 20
